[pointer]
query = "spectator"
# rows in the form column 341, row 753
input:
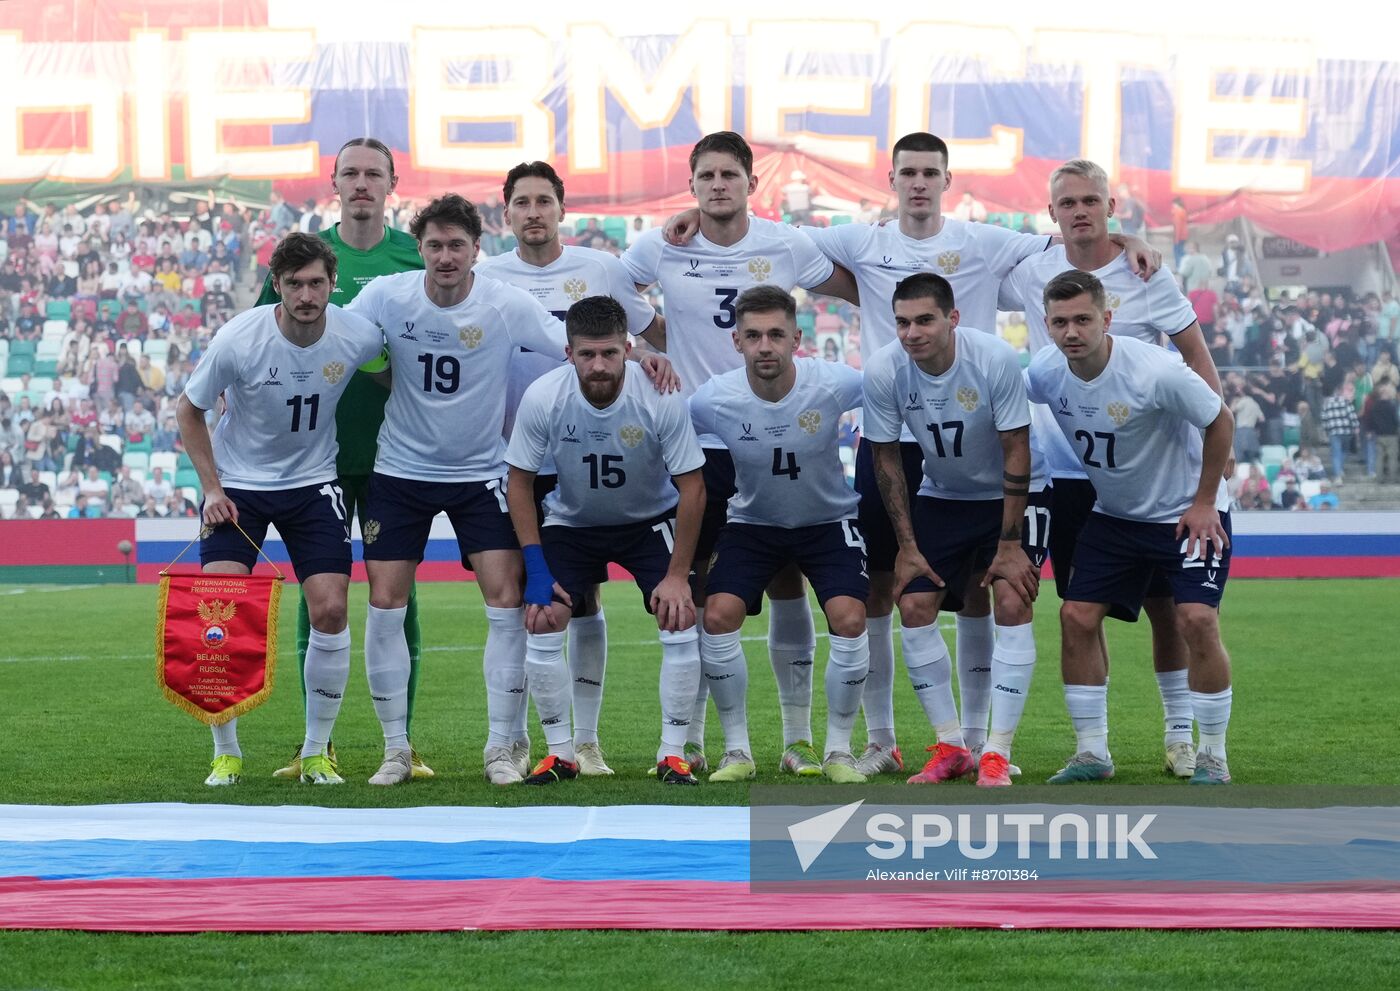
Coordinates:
column 1388, row 326
column 1248, row 416
column 797, row 198
column 1255, row 491
column 85, row 509
column 970, row 208
column 1131, row 214
column 1385, row 370
column 1325, row 498
column 177, row 505
column 1310, row 432
column 11, row 437
column 1308, row 465
column 1340, row 422
column 1195, row 272
column 1181, row 230
column 165, row 436
column 152, row 375
column 1383, row 421
column 635, row 231
column 139, row 423
column 158, row 487
column 11, row 474
column 131, row 324
column 127, row 488
column 94, row 486
column 128, row 381
column 150, row 510
column 869, row 213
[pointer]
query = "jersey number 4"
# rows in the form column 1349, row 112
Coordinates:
column 785, row 463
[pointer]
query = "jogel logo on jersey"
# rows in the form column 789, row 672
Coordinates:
column 471, row 336
column 760, row 268
column 810, row 420
column 967, row 398
column 631, row 435
column 1114, row 301
column 371, row 531
column 1118, row 413
column 334, row 371
column 575, row 289
column 949, row 261
column 216, row 615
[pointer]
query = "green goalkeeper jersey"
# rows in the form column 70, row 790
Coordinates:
column 360, row 412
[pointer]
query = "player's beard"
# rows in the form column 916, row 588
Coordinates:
column 361, row 210
column 602, row 389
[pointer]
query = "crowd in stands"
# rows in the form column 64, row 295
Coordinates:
column 105, row 308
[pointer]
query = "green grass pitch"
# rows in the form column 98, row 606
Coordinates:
column 85, row 724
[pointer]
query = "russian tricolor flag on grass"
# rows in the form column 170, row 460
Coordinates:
column 187, row 868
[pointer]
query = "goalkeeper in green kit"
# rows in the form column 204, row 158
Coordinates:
column 366, row 248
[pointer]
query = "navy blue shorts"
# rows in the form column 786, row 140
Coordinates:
column 959, row 538
column 831, row 555
column 1115, row 559
column 718, row 475
column 311, row 521
column 881, row 547
column 1071, row 504
column 577, row 556
column 400, row 511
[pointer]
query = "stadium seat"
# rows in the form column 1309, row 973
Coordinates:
column 165, row 460
column 48, row 478
column 19, row 364
column 40, row 383
column 59, row 309
column 55, row 328
column 8, row 498
column 112, row 441
column 1308, row 489
column 1291, row 436
column 837, row 219
column 807, row 322
column 72, row 442
column 192, row 493
column 49, row 347
column 26, row 348
column 186, row 477
column 142, row 446
column 136, row 459
column 1273, row 454
column 183, row 461
column 110, row 308
column 107, row 477
column 157, row 350
column 10, row 386
column 1271, row 472
column 4, row 349
column 616, row 228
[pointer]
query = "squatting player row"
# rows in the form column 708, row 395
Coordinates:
column 739, row 490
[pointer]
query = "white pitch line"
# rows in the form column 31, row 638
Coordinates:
column 467, row 648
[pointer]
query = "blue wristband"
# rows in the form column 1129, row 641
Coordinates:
column 539, row 583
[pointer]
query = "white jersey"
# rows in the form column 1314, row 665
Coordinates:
column 279, row 430
column 786, row 466
column 615, row 464
column 701, row 280
column 1144, row 310
column 957, row 417
column 1136, row 427
column 577, row 273
column 446, row 412
column 974, row 258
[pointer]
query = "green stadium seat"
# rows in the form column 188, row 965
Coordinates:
column 183, row 462
column 46, row 366
column 139, row 460
column 19, row 364
column 999, row 219
column 616, row 229
column 110, row 308
column 807, row 322
column 58, row 309
column 143, row 445
column 1292, row 436
column 837, row 219
column 186, row 476
column 106, row 476
column 1271, row 472
column 28, row 348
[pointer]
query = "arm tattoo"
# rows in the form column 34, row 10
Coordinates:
column 1014, row 491
column 1013, row 478
column 893, row 493
column 1012, row 532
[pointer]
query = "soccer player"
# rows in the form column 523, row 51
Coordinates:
column 1133, row 412
column 974, row 258
column 282, row 371
column 558, row 275
column 366, row 247
column 630, row 491
column 1148, row 311
column 701, row 281
column 981, row 514
column 779, row 416
column 452, row 334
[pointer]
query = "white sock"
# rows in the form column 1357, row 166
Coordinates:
column 327, row 672
column 588, row 659
column 680, row 679
column 386, row 669
column 931, row 672
column 1013, row 663
column 1088, row 711
column 725, row 669
column 695, row 733
column 975, row 651
column 1176, row 706
column 1213, row 716
column 792, row 648
column 226, row 739
column 877, row 701
column 846, row 671
column 503, row 664
column 548, row 678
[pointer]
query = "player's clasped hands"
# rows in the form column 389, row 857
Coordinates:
column 1013, row 566
column 1200, row 525
column 672, row 604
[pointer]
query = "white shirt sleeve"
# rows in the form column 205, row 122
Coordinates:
column 835, row 242
column 216, row 371
column 642, row 261
column 849, row 385
column 1168, row 308
column 529, row 440
column 1037, row 377
column 1011, row 295
column 1177, row 389
column 369, row 302
column 531, row 325
column 812, row 267
column 1006, row 249
column 621, row 287
column 702, row 409
column 680, row 447
column 882, row 418
column 1011, row 409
